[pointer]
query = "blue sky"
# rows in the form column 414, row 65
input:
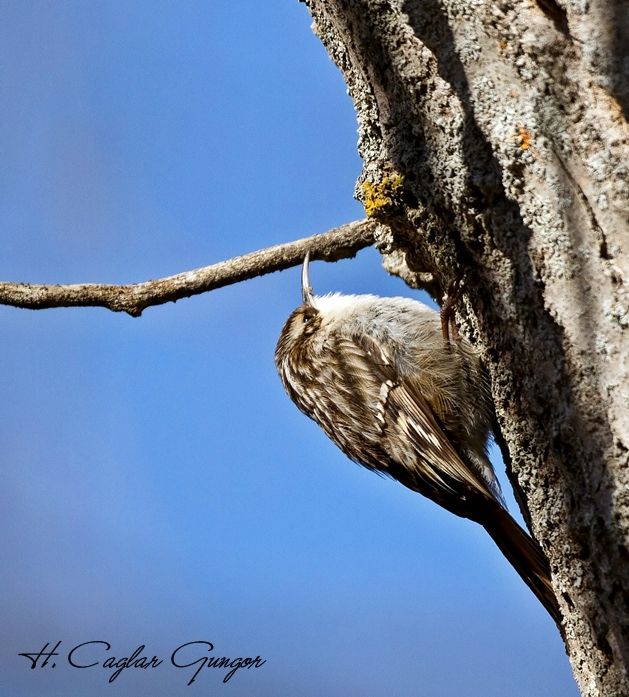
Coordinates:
column 159, row 487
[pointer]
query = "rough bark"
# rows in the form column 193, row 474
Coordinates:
column 495, row 147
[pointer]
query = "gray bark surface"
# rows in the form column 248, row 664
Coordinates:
column 494, row 141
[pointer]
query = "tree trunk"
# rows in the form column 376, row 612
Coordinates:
column 495, row 148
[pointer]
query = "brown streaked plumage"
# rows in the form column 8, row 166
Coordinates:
column 380, row 379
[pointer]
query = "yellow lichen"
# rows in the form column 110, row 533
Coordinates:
column 525, row 137
column 381, row 196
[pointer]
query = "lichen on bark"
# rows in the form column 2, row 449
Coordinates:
column 505, row 121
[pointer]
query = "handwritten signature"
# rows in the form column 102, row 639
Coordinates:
column 191, row 655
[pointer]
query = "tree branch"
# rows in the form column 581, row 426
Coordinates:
column 134, row 298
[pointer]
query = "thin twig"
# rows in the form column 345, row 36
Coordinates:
column 339, row 243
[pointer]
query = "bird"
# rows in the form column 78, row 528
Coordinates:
column 388, row 385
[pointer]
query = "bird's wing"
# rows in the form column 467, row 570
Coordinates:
column 415, row 450
column 422, row 456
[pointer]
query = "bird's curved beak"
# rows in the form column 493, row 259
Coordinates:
column 306, row 289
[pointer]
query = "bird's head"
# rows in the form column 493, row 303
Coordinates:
column 304, row 321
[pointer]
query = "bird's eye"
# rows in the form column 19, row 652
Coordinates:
column 308, row 316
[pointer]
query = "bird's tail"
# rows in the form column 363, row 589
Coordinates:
column 526, row 557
